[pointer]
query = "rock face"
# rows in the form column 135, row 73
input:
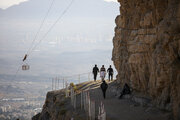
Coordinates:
column 56, row 107
column 146, row 49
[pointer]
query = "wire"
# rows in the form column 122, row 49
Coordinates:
column 40, row 27
column 31, row 46
column 59, row 18
column 16, row 73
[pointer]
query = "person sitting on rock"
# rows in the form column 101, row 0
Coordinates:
column 126, row 90
column 102, row 72
column 104, row 87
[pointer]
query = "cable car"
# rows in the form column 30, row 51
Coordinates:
column 25, row 67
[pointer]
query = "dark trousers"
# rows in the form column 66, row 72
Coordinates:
column 104, row 93
column 124, row 92
column 110, row 77
column 95, row 76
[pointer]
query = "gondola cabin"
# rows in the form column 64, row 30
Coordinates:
column 25, row 67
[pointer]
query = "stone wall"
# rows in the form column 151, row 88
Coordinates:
column 146, row 49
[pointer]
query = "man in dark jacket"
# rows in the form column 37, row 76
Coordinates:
column 95, row 72
column 110, row 71
column 104, row 87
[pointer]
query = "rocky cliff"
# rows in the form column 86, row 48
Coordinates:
column 56, row 107
column 146, row 49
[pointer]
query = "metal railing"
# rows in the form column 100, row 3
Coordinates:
column 60, row 82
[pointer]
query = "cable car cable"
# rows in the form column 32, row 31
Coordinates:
column 40, row 27
column 59, row 18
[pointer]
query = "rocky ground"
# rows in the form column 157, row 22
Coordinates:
column 130, row 107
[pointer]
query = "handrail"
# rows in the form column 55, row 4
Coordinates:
column 64, row 79
column 76, row 75
column 76, row 79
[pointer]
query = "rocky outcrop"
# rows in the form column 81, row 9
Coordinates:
column 56, row 107
column 146, row 49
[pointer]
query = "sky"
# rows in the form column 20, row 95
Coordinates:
column 4, row 4
column 82, row 38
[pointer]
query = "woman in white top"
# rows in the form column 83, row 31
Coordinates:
column 103, row 72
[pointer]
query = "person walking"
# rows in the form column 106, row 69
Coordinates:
column 111, row 72
column 103, row 72
column 95, row 72
column 104, row 87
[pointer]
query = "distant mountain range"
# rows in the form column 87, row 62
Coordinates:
column 35, row 9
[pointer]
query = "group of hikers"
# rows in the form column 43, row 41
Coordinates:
column 104, row 85
column 103, row 72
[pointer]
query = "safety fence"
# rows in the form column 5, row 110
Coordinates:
column 60, row 82
column 102, row 112
column 87, row 104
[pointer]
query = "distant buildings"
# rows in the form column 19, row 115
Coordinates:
column 5, row 108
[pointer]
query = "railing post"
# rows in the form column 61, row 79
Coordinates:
column 81, row 99
column 59, row 83
column 88, row 76
column 74, row 100
column 79, row 78
column 67, row 90
column 52, row 83
column 63, row 83
column 55, row 83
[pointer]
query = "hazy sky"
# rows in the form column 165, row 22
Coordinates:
column 82, row 38
column 8, row 3
column 4, row 4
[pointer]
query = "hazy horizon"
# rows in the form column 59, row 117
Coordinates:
column 82, row 38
